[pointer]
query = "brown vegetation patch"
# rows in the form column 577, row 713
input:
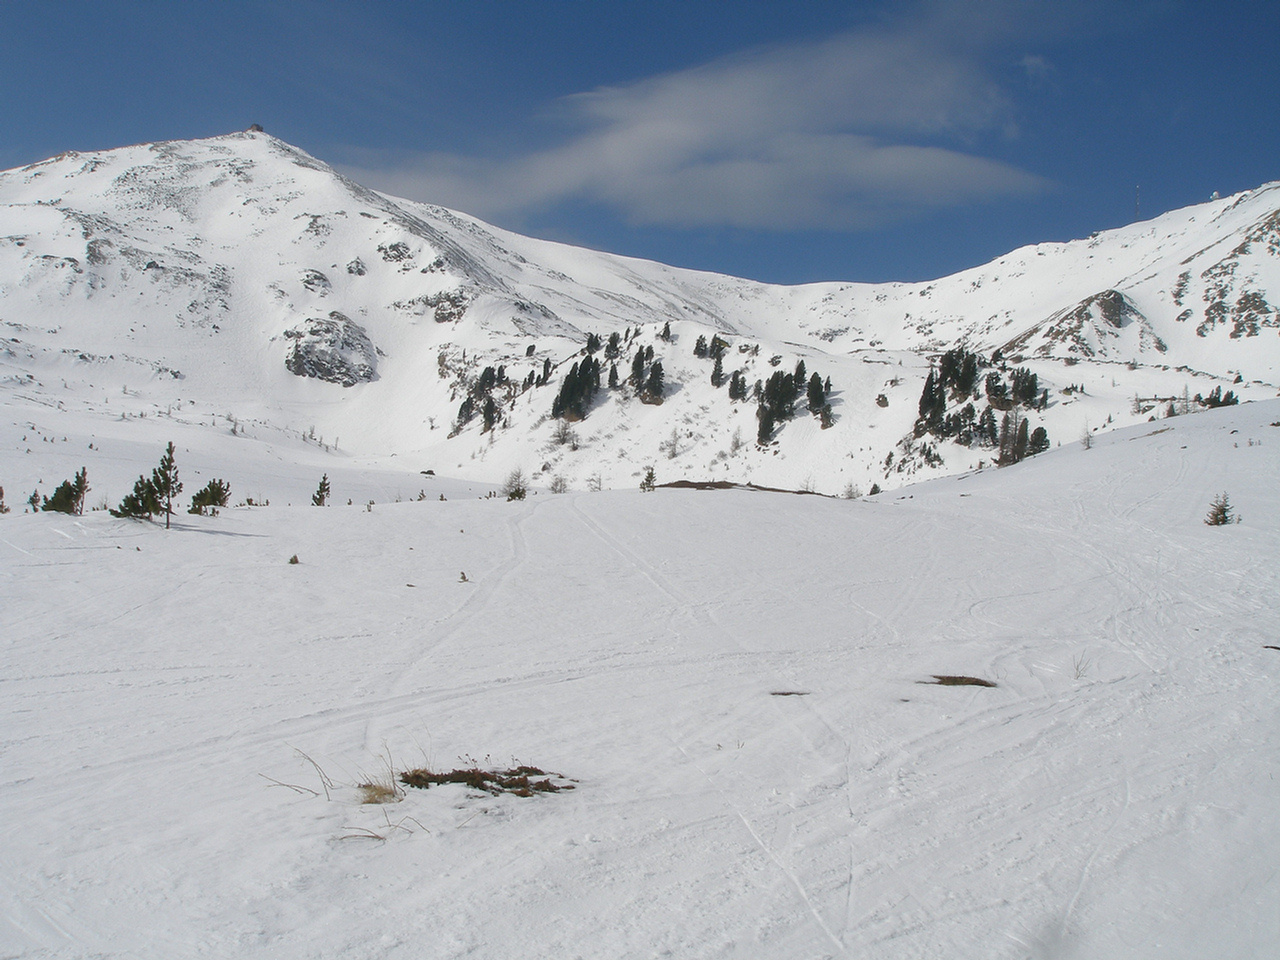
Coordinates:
column 949, row 680
column 515, row 780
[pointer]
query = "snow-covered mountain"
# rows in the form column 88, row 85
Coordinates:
column 238, row 283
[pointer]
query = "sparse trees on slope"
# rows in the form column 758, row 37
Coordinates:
column 154, row 495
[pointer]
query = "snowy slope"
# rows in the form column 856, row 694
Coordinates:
column 1112, row 797
column 239, row 280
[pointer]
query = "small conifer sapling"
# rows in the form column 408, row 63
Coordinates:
column 1221, row 512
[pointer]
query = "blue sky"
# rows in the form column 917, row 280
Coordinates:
column 889, row 140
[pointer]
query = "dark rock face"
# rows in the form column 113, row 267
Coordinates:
column 334, row 349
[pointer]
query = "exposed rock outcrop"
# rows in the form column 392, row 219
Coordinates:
column 334, row 349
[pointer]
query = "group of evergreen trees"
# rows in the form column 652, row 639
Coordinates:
column 154, row 494
column 578, row 390
column 647, row 377
column 780, row 393
column 582, row 382
column 956, row 378
column 479, row 398
column 1217, row 399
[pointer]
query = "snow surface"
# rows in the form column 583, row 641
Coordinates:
column 1114, row 796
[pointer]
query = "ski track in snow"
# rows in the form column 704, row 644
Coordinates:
column 705, row 619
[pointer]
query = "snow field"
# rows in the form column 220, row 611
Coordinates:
column 1113, row 796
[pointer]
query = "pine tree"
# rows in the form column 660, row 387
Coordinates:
column 215, row 494
column 987, row 433
column 765, row 433
column 515, row 487
column 1039, row 441
column 717, row 373
column 1008, row 432
column 165, row 483
column 321, row 497
column 1220, row 512
column 62, row 500
column 467, row 410
column 1020, row 442
column 79, row 489
column 69, row 495
column 649, row 482
column 1026, row 388
column 997, row 389
column 654, row 386
column 140, row 503
column 666, row 331
column 817, row 396
column 700, row 347
column 637, row 369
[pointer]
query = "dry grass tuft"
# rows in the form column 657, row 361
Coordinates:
column 379, row 791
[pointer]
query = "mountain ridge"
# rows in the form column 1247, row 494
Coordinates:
column 246, row 278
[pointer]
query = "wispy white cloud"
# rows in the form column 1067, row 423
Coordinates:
column 848, row 132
